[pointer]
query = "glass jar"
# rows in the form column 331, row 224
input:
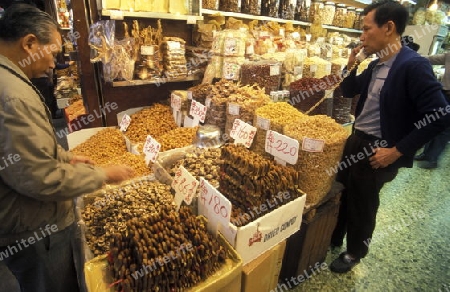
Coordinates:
column 286, row 10
column 328, row 13
column 339, row 15
column 350, row 17
column 301, row 11
column 270, row 8
column 314, row 10
column 251, row 7
column 210, row 4
column 230, row 5
column 358, row 19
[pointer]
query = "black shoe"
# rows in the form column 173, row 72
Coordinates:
column 344, row 263
column 420, row 157
column 427, row 164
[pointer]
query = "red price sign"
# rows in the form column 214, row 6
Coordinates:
column 242, row 133
column 198, row 111
column 151, row 149
column 175, row 102
column 282, row 147
column 125, row 122
column 214, row 202
column 185, row 184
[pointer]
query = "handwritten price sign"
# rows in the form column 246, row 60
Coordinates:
column 125, row 122
column 214, row 202
column 313, row 145
column 198, row 111
column 175, row 102
column 282, row 147
column 242, row 133
column 185, row 184
column 151, row 149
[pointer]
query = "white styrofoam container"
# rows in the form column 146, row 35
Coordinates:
column 76, row 138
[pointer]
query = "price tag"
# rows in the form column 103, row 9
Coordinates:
column 178, row 200
column 298, row 70
column 262, row 123
column 242, row 133
column 230, row 71
column 274, row 70
column 147, row 50
column 191, row 19
column 116, row 14
column 208, row 102
column 312, row 145
column 175, row 102
column 188, row 122
column 189, row 95
column 172, row 45
column 185, row 184
column 233, row 109
column 313, row 68
column 125, row 122
column 151, row 149
column 328, row 68
column 282, row 146
column 198, row 111
column 214, row 203
column 295, row 35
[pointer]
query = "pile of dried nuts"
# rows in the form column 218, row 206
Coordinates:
column 317, row 166
column 249, row 180
column 165, row 251
column 200, row 92
column 177, row 138
column 155, row 120
column 111, row 209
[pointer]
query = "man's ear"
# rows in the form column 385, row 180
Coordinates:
column 29, row 43
column 390, row 27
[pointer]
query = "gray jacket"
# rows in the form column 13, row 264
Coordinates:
column 37, row 182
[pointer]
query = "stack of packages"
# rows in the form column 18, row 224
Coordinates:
column 321, row 143
column 273, row 116
column 174, row 60
column 242, row 105
column 248, row 180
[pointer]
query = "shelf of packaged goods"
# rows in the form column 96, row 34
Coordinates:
column 119, row 15
column 157, row 82
column 252, row 17
column 351, row 30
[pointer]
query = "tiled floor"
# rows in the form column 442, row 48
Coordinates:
column 410, row 250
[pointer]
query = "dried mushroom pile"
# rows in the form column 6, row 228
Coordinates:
column 203, row 162
column 114, row 151
column 249, row 180
column 217, row 103
column 273, row 116
column 200, row 92
column 177, row 138
column 175, row 249
column 155, row 120
column 316, row 168
column 111, row 209
column 242, row 105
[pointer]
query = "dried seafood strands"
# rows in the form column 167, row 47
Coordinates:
column 273, row 116
column 321, row 142
column 217, row 103
column 242, row 105
column 249, row 180
column 166, row 251
column 155, row 120
column 111, row 208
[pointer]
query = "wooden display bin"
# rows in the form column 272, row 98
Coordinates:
column 309, row 245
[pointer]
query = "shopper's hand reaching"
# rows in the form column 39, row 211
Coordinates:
column 81, row 159
column 118, row 173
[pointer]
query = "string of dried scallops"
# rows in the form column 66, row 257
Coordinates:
column 315, row 165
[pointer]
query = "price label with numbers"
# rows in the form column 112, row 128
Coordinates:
column 313, row 145
column 125, row 122
column 233, row 109
column 175, row 102
column 214, row 203
column 185, row 184
column 262, row 123
column 282, row 147
column 242, row 133
column 151, row 149
column 198, row 111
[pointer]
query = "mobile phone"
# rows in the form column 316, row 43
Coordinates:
column 361, row 56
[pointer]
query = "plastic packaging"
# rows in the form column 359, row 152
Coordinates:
column 328, row 12
column 270, row 7
column 287, row 10
column 210, row 4
column 251, row 7
column 266, row 74
column 350, row 17
column 315, row 10
column 339, row 15
column 230, row 5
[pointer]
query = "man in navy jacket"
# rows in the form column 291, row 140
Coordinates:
column 401, row 107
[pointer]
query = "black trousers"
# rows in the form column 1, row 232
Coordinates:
column 360, row 198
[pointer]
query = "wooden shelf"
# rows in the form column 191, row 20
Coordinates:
column 119, row 15
column 156, row 82
column 351, row 30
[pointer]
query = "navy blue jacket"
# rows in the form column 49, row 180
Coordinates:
column 409, row 103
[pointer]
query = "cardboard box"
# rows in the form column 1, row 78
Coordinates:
column 255, row 238
column 262, row 273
